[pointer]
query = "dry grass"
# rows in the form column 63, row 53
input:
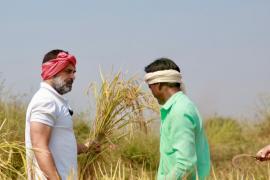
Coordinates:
column 120, row 112
column 12, row 156
column 120, row 171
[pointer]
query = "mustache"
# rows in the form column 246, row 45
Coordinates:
column 70, row 81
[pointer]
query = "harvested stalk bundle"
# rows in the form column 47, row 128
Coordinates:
column 120, row 105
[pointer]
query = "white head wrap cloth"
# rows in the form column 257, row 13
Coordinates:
column 168, row 76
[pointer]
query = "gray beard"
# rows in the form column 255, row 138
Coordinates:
column 61, row 86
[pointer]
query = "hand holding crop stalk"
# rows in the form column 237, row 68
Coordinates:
column 92, row 146
column 264, row 154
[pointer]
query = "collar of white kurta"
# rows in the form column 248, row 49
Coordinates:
column 170, row 76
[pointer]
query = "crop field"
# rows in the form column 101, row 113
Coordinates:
column 126, row 126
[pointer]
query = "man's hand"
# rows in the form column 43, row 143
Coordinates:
column 81, row 148
column 264, row 154
column 89, row 146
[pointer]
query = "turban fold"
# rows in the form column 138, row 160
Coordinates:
column 163, row 76
column 54, row 66
column 169, row 76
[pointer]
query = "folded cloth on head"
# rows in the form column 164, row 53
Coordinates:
column 170, row 76
column 54, row 66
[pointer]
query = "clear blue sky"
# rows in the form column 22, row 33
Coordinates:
column 222, row 47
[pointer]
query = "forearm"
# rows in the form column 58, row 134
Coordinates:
column 181, row 172
column 172, row 175
column 46, row 162
column 185, row 165
column 184, row 146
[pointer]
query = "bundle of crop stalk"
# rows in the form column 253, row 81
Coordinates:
column 120, row 106
column 12, row 156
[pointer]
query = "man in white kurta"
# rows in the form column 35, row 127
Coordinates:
column 50, row 141
column 50, row 108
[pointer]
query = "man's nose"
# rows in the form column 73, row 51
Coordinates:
column 72, row 75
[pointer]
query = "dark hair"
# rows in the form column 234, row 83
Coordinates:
column 52, row 55
column 163, row 64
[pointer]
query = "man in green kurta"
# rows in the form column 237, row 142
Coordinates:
column 184, row 151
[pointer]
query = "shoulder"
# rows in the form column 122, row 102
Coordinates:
column 43, row 108
column 184, row 109
column 184, row 105
column 43, row 99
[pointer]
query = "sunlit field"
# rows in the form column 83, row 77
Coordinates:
column 126, row 125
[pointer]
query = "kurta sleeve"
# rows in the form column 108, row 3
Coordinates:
column 183, row 144
column 45, row 112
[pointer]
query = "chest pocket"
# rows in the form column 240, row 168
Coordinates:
column 65, row 119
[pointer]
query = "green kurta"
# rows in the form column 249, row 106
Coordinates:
column 183, row 145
